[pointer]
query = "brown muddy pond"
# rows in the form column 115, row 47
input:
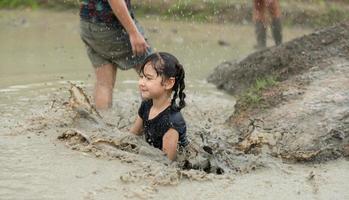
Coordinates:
column 41, row 50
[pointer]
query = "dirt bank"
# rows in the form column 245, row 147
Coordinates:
column 284, row 61
column 293, row 98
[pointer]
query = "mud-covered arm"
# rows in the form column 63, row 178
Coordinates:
column 138, row 43
column 169, row 143
column 137, row 127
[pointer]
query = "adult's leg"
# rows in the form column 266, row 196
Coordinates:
column 276, row 28
column 104, row 85
column 260, row 23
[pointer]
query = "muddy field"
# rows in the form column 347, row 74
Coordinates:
column 304, row 115
column 57, row 147
column 97, row 158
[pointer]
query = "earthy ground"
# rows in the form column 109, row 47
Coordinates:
column 303, row 113
column 49, row 153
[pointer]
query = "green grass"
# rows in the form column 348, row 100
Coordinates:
column 34, row 4
column 331, row 15
column 19, row 3
column 313, row 13
column 252, row 97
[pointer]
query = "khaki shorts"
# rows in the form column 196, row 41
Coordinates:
column 108, row 45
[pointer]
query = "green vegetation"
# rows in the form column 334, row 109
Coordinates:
column 34, row 4
column 314, row 13
column 252, row 98
column 331, row 15
column 19, row 3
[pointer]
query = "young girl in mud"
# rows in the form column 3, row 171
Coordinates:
column 161, row 82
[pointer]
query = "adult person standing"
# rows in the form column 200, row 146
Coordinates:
column 260, row 8
column 113, row 39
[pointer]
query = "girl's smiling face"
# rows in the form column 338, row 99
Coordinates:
column 150, row 83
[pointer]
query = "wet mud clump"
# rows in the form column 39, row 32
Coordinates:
column 209, row 154
column 293, row 99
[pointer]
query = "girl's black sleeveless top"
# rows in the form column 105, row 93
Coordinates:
column 155, row 129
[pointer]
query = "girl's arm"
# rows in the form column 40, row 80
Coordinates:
column 169, row 143
column 138, row 43
column 137, row 127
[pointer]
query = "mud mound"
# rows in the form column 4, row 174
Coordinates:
column 283, row 61
column 311, row 123
column 304, row 116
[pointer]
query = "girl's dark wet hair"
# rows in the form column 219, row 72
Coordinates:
column 168, row 66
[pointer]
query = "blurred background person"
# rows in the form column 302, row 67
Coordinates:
column 260, row 7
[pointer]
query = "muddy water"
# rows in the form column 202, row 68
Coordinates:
column 40, row 51
column 43, row 46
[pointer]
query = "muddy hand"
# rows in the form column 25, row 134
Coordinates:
column 138, row 43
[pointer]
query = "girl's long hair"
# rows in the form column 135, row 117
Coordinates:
column 168, row 66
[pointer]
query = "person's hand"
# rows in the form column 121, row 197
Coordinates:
column 138, row 43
